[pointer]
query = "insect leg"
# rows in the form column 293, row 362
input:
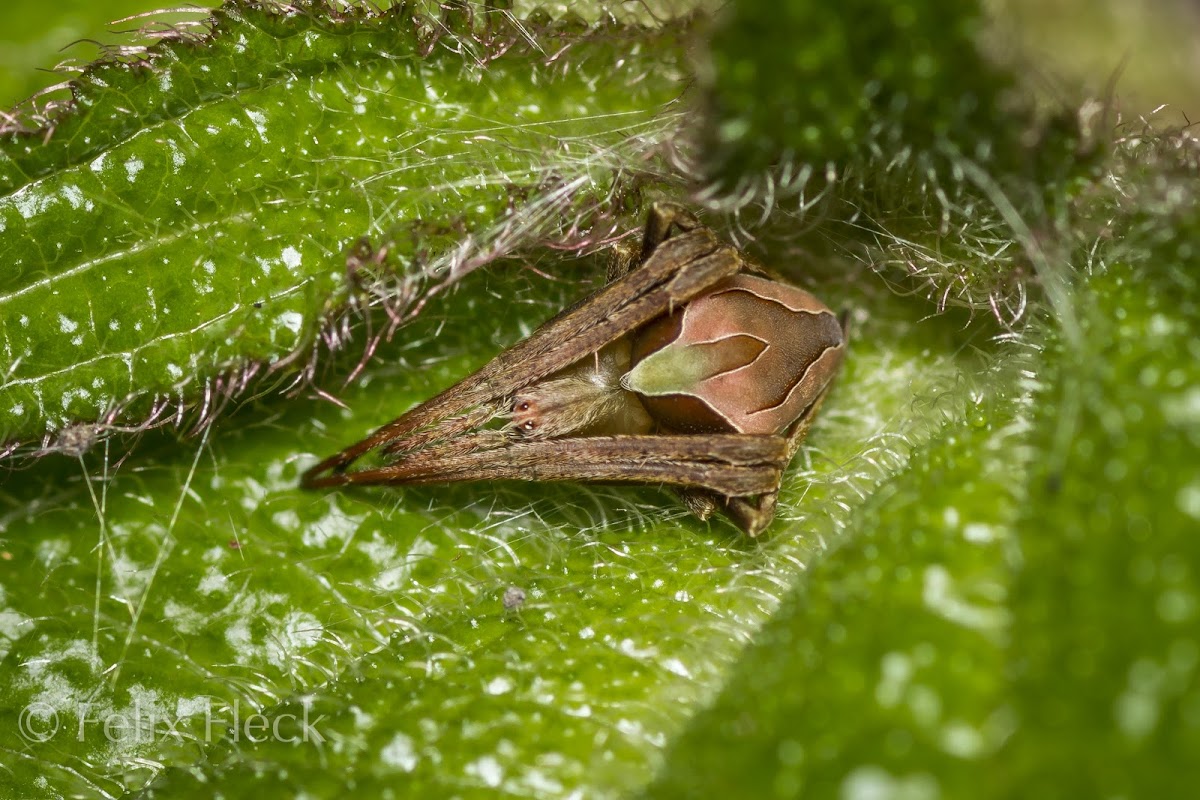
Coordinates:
column 752, row 514
column 662, row 222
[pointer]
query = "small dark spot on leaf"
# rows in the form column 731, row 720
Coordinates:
column 514, row 598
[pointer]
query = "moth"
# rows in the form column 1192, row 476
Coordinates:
column 688, row 369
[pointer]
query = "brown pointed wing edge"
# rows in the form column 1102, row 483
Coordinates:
column 679, row 269
column 733, row 465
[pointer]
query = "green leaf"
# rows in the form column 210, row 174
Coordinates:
column 882, row 674
column 1107, row 669
column 793, row 80
column 973, row 622
column 188, row 222
column 33, row 43
column 904, row 131
column 983, row 573
column 221, row 584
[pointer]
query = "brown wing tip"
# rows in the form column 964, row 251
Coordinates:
column 330, row 472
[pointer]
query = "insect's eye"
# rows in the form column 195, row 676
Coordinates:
column 523, row 406
column 529, row 424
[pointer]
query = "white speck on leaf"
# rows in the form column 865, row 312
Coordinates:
column 292, row 320
column 978, row 533
column 1187, row 500
column 400, row 753
column 876, row 783
column 74, row 195
column 944, row 598
column 214, row 580
column 291, row 257
column 962, row 740
column 499, row 685
column 674, row 665
column 488, row 769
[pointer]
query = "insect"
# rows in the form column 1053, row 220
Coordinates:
column 687, row 369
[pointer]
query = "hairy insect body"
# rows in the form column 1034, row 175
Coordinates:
column 584, row 400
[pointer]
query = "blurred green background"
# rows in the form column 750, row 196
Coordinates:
column 1149, row 44
column 35, row 37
